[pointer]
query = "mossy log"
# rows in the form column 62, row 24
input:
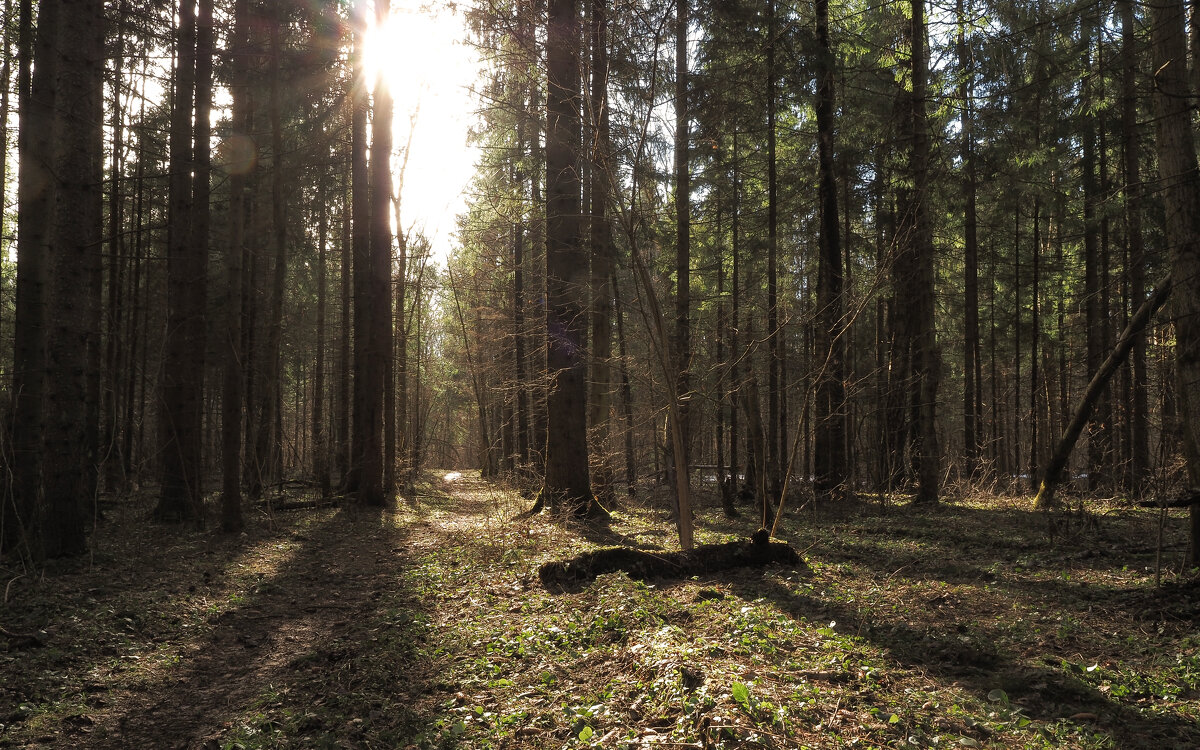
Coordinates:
column 756, row 552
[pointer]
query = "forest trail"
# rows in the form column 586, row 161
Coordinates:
column 424, row 627
column 213, row 628
column 310, row 593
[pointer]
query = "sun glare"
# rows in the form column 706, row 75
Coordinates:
column 419, row 54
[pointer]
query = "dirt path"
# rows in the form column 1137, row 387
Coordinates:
column 308, row 605
column 305, row 610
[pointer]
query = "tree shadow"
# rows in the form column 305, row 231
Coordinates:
column 1044, row 691
column 328, row 646
column 601, row 532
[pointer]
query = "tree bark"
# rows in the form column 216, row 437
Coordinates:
column 599, row 423
column 567, row 479
column 238, row 165
column 1139, row 449
column 74, row 317
column 1180, row 180
column 757, row 552
column 182, row 376
column 35, row 199
column 829, row 449
column 774, row 457
column 344, row 371
column 267, row 445
column 110, row 456
column 372, row 491
column 1099, row 433
column 626, row 397
column 361, row 429
column 917, row 269
column 683, row 229
column 320, row 451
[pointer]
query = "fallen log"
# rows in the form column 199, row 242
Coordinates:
column 1185, row 499
column 756, row 552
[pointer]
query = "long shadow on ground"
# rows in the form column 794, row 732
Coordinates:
column 1045, row 692
column 327, row 647
column 954, row 544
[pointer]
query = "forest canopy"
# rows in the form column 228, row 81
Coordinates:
column 795, row 251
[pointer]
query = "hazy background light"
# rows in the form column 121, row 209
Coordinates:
column 431, row 72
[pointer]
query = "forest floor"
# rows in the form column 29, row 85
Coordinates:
column 425, row 626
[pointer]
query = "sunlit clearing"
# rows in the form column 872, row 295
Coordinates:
column 453, row 476
column 420, row 56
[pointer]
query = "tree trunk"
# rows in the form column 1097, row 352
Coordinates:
column 110, row 456
column 735, row 316
column 917, row 268
column 725, row 483
column 1180, row 180
column 1034, row 339
column 683, row 230
column 238, row 165
column 201, row 213
column 268, row 443
column 567, row 479
column 1139, row 449
column 35, row 200
column 400, row 344
column 1098, row 436
column 829, row 449
column 5, row 109
column 773, row 456
column 379, row 327
column 344, row 337
column 320, row 452
column 626, row 397
column 74, row 317
column 134, row 332
column 518, row 301
column 361, row 430
column 972, row 380
column 599, row 423
column 182, row 377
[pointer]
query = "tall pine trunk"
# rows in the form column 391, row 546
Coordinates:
column 1099, row 435
column 602, row 260
column 35, row 201
column 320, row 450
column 379, row 333
column 232, row 377
column 1180, row 179
column 916, row 269
column 567, row 479
column 1139, row 448
column 360, row 440
column 74, row 316
column 972, row 368
column 182, row 377
column 683, row 229
column 774, row 456
column 829, row 449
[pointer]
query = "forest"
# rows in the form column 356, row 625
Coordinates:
column 911, row 289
